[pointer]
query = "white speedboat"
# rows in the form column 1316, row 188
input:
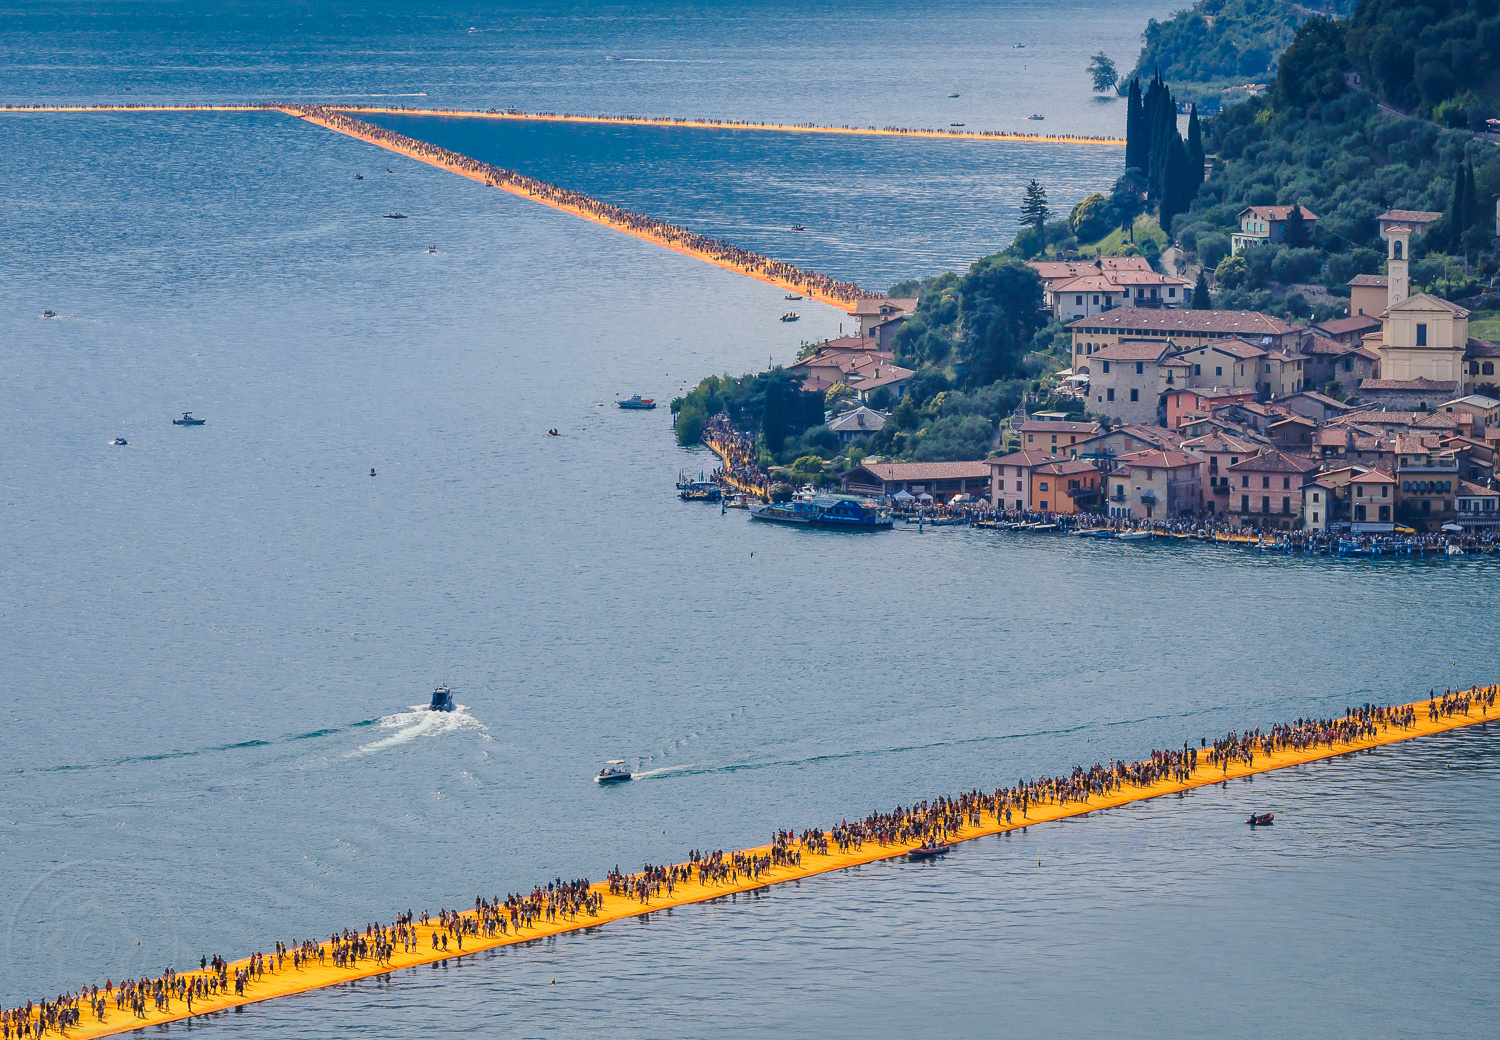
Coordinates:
column 1133, row 536
column 614, row 772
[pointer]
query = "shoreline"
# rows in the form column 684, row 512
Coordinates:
column 611, row 907
column 607, row 120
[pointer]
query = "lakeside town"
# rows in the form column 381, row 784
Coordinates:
column 1195, row 419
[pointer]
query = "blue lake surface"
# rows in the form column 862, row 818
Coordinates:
column 211, row 642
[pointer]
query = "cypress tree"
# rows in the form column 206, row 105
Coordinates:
column 1202, row 300
column 1456, row 210
column 1296, row 229
column 1472, row 216
column 1135, row 129
column 1195, row 147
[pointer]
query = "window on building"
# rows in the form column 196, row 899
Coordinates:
column 1286, row 482
column 1245, row 480
column 1265, row 503
column 1135, row 394
column 1488, row 368
column 1218, row 370
column 1421, row 334
column 1044, row 488
column 1286, row 505
column 1197, row 370
column 1140, row 368
column 1348, row 365
column 1110, row 393
column 1315, row 499
column 1096, row 299
column 1106, row 371
column 1244, row 503
column 1265, row 482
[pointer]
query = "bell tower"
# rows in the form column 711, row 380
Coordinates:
column 1399, row 284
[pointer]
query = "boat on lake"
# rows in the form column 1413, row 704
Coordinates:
column 442, row 699
column 930, row 850
column 1261, row 819
column 955, row 124
column 835, row 512
column 398, row 215
column 954, row 94
column 791, row 316
column 701, row 491
column 1034, row 116
column 799, row 227
column 188, row 420
column 636, row 402
column 792, row 296
column 119, row 442
column 614, row 772
column 1133, row 536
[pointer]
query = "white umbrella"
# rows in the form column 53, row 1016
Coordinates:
column 904, row 496
column 924, row 497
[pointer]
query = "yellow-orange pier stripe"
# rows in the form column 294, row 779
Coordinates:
column 288, row 980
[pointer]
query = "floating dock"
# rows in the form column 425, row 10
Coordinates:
column 284, row 980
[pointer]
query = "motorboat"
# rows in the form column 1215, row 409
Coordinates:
column 838, row 512
column 954, row 94
column 614, row 772
column 788, row 296
column 930, row 850
column 1261, row 819
column 955, row 124
column 398, row 215
column 119, row 442
column 1455, row 550
column 799, row 227
column 432, row 249
column 701, row 491
column 791, row 316
column 1133, row 536
column 638, row 403
column 359, row 176
column 188, row 420
column 442, row 699
column 1035, row 116
column 49, row 314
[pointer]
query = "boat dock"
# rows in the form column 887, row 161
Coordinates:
column 282, row 979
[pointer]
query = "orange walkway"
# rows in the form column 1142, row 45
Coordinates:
column 288, row 980
column 552, row 117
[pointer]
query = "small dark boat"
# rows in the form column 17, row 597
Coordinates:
column 398, row 215
column 638, row 403
column 614, row 772
column 1036, row 117
column 930, row 850
column 119, row 442
column 188, row 420
column 788, row 296
column 954, row 94
column 442, row 699
column 955, row 124
column 359, row 176
column 790, row 316
column 49, row 314
column 1262, row 820
column 799, row 227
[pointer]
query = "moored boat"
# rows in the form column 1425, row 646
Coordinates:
column 637, row 403
column 188, row 420
column 790, row 316
column 701, row 491
column 1133, row 536
column 930, row 850
column 837, row 512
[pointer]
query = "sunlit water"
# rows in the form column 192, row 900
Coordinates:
column 211, row 642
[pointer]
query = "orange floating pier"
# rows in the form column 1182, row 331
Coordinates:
column 798, row 860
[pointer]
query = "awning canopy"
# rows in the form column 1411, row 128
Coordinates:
column 904, row 496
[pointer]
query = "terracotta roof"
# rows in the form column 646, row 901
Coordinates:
column 1157, row 435
column 1165, row 322
column 1467, row 488
column 1354, row 323
column 1238, row 348
column 1155, row 458
column 882, row 305
column 1373, row 281
column 1025, row 459
column 1481, row 348
column 1410, row 216
column 1068, row 468
column 1424, row 299
column 1051, row 270
column 1475, row 400
column 1420, row 384
column 1326, row 402
column 1316, row 344
column 1374, row 476
column 1085, row 283
column 1276, row 212
column 1219, row 442
column 1130, row 351
column 911, row 471
column 1058, row 426
column 1274, row 461
column 1414, row 444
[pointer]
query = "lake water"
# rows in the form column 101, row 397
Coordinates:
column 211, row 641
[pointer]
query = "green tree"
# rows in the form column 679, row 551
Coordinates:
column 1202, row 300
column 1312, row 69
column 1232, row 272
column 1104, row 73
column 1195, row 151
column 1297, row 236
column 1128, row 199
column 1137, row 133
column 1034, row 211
column 1000, row 306
column 1092, row 218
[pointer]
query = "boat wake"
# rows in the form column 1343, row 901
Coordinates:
column 406, row 726
column 650, row 774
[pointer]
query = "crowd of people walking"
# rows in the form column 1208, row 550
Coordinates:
column 714, row 250
column 923, row 823
column 740, row 469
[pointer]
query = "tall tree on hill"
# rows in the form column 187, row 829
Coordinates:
column 1137, row 134
column 1000, row 306
column 1178, row 185
column 1195, row 148
column 1297, row 235
column 1202, row 300
column 1034, row 211
column 1455, row 213
column 1472, row 216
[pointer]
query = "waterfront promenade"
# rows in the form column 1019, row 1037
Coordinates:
column 381, row 949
